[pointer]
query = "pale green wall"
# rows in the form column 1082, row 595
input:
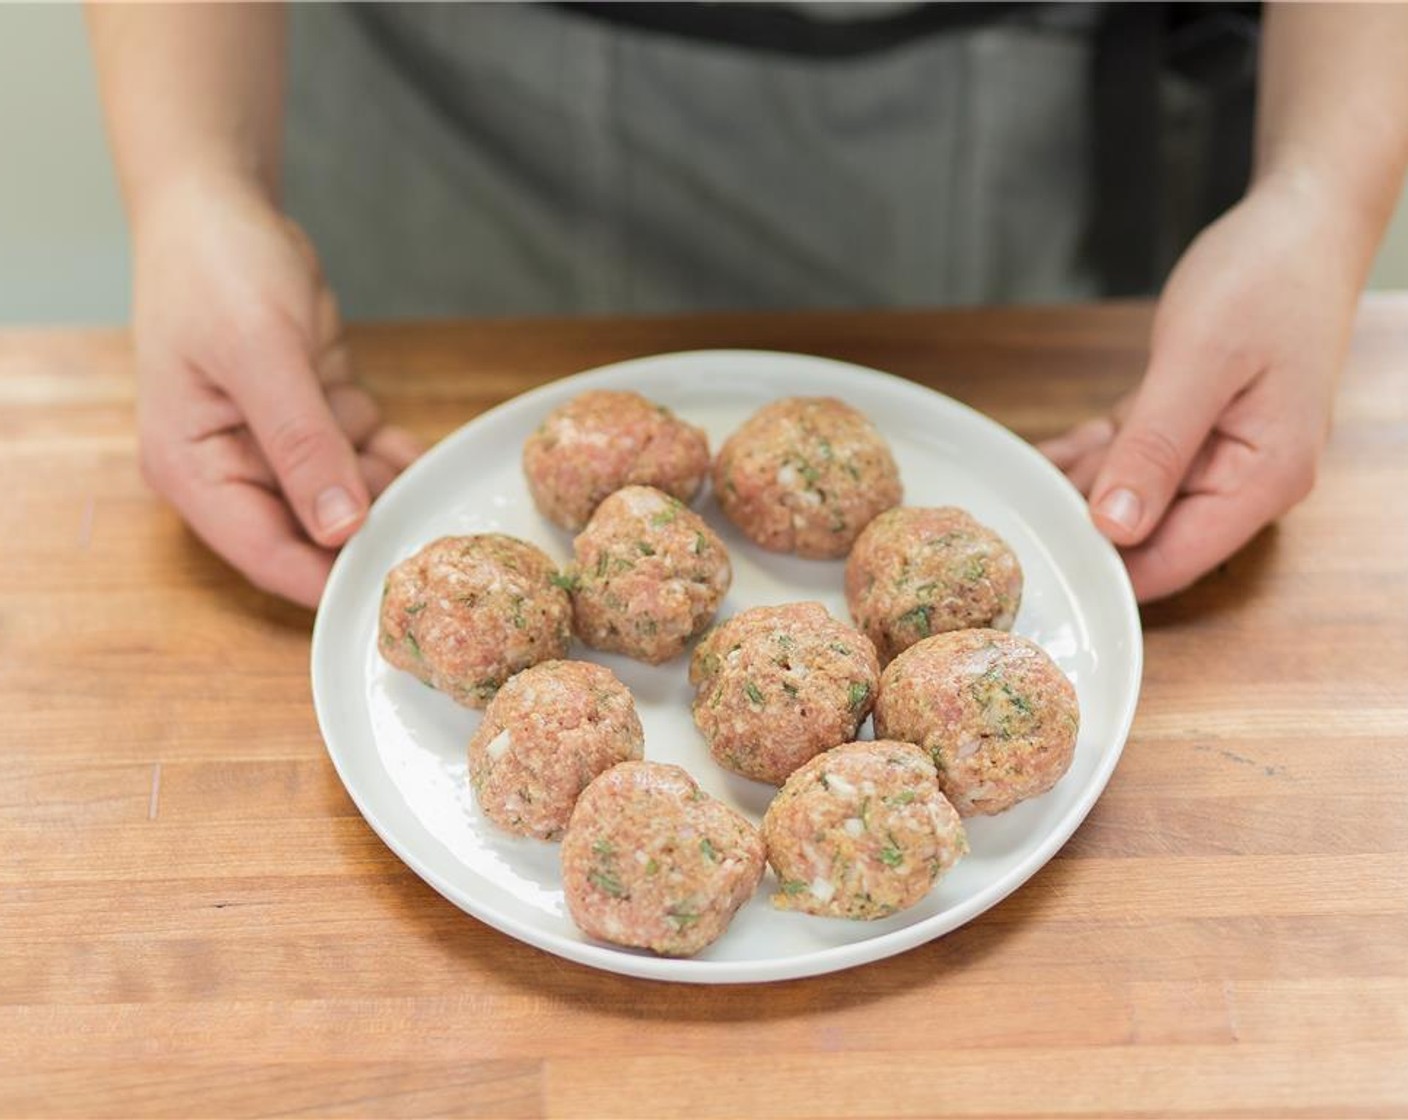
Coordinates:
column 1391, row 268
column 63, row 249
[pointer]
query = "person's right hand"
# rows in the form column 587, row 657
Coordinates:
column 250, row 422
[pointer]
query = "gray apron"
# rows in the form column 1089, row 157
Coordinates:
column 519, row 159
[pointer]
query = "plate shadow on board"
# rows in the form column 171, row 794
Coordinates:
column 479, row 948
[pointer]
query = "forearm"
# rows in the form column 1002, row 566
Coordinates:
column 190, row 90
column 1332, row 118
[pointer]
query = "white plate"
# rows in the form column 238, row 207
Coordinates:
column 399, row 747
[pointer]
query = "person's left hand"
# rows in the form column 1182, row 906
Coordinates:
column 1225, row 432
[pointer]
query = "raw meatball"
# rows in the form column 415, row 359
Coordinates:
column 805, row 475
column 918, row 572
column 550, row 730
column 466, row 613
column 778, row 685
column 648, row 577
column 651, row 861
column 861, row 832
column 995, row 713
column 603, row 440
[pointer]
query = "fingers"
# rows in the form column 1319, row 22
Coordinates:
column 1181, row 398
column 378, row 473
column 386, row 454
column 253, row 529
column 1066, row 449
column 1198, row 533
column 296, row 429
column 1083, row 471
column 396, row 445
column 355, row 411
column 1232, row 491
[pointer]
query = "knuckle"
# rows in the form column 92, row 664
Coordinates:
column 1302, row 475
column 249, row 332
column 156, row 464
column 1155, row 449
column 147, row 466
column 295, row 442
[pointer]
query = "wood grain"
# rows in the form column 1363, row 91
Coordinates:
column 195, row 921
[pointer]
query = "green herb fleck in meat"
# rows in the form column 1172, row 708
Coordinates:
column 916, row 619
column 793, row 886
column 904, row 797
column 700, row 543
column 415, row 645
column 837, row 647
column 518, row 620
column 415, row 608
column 606, row 882
column 790, row 688
column 858, row 694
column 565, row 580
column 681, row 915
column 665, row 516
column 891, row 855
column 707, row 847
column 602, row 560
column 604, row 849
column 975, row 569
column 1017, row 700
column 486, row 688
column 754, row 693
column 652, row 865
column 645, row 548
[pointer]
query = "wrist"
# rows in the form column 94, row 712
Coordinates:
column 1320, row 201
column 202, row 182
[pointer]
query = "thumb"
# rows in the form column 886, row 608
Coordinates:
column 289, row 415
column 1171, row 416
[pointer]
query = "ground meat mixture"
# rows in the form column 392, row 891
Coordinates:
column 651, row 861
column 606, row 439
column 918, row 572
column 466, row 613
column 648, row 575
column 550, row 730
column 995, row 713
column 861, row 831
column 805, row 475
column 778, row 685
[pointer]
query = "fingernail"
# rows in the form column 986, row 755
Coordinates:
column 334, row 508
column 1123, row 507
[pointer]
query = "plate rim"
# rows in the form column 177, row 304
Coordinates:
column 817, row 962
